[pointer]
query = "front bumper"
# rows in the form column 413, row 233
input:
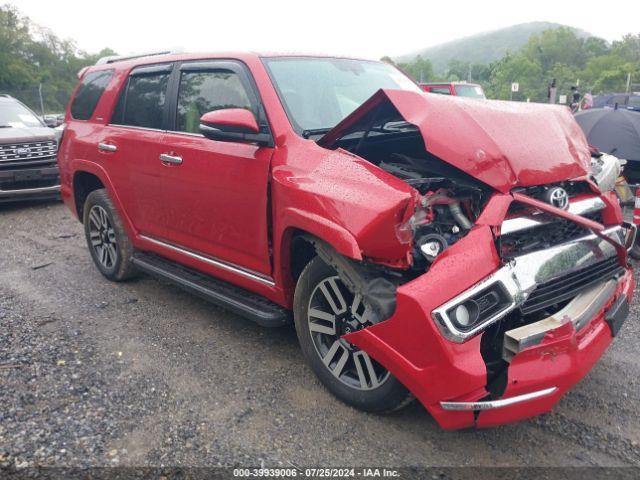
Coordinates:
column 449, row 377
column 29, row 184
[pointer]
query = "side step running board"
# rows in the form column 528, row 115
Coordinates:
column 236, row 299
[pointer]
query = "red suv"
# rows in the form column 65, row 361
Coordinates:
column 459, row 89
column 471, row 255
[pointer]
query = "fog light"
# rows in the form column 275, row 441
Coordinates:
column 466, row 314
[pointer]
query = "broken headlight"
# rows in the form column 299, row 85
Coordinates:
column 605, row 170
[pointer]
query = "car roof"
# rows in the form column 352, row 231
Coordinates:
column 129, row 62
column 434, row 84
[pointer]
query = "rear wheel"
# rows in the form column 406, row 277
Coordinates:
column 107, row 240
column 324, row 311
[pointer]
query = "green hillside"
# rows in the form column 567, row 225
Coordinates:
column 483, row 48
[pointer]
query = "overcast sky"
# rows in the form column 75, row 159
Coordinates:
column 368, row 29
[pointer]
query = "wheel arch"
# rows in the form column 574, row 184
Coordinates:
column 295, row 251
column 92, row 172
column 83, row 184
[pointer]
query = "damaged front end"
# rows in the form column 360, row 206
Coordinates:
column 518, row 277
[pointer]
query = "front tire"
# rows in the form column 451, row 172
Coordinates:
column 325, row 310
column 107, row 239
column 635, row 250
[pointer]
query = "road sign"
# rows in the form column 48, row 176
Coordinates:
column 515, row 87
column 562, row 99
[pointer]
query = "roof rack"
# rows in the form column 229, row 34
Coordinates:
column 118, row 58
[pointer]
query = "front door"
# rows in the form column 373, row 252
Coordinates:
column 216, row 193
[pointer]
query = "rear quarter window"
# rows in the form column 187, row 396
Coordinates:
column 91, row 89
column 440, row 90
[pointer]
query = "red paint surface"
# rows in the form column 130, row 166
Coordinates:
column 217, row 203
column 503, row 144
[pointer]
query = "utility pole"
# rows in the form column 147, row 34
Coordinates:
column 552, row 91
column 629, row 82
column 41, row 102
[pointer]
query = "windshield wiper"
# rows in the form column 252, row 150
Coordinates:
column 311, row 132
column 5, row 126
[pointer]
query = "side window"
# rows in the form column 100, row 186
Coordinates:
column 87, row 97
column 205, row 91
column 141, row 102
column 441, row 90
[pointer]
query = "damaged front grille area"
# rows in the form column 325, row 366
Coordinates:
column 568, row 286
column 544, row 271
column 538, row 192
column 546, row 235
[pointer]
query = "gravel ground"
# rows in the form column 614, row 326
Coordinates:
column 94, row 373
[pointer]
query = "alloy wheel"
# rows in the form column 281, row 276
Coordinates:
column 332, row 312
column 102, row 237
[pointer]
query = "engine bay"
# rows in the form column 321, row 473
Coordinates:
column 451, row 200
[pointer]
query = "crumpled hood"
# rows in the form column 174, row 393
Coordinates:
column 503, row 144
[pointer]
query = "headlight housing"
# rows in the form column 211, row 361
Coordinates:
column 605, row 170
column 468, row 313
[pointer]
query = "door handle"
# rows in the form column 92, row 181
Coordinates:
column 107, row 147
column 171, row 159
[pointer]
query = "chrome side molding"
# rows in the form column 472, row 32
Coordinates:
column 230, row 267
column 492, row 404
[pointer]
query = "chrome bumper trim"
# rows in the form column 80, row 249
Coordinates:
column 580, row 207
column 522, row 275
column 29, row 191
column 492, row 404
column 579, row 311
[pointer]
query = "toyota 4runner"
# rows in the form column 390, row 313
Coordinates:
column 470, row 254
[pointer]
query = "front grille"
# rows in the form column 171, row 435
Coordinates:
column 544, row 236
column 568, row 286
column 538, row 191
column 28, row 152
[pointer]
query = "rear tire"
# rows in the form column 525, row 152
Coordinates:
column 107, row 239
column 347, row 372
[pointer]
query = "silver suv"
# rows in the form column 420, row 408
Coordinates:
column 28, row 148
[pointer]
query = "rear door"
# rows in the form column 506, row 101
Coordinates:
column 217, row 195
column 131, row 143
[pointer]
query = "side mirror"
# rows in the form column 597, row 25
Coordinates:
column 53, row 121
column 233, row 125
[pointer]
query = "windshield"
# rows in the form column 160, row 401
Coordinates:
column 13, row 114
column 318, row 93
column 471, row 91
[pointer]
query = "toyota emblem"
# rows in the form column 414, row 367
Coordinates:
column 558, row 197
column 22, row 151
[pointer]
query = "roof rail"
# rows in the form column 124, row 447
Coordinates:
column 122, row 58
column 5, row 95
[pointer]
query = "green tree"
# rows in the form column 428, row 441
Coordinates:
column 419, row 69
column 31, row 56
column 521, row 69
